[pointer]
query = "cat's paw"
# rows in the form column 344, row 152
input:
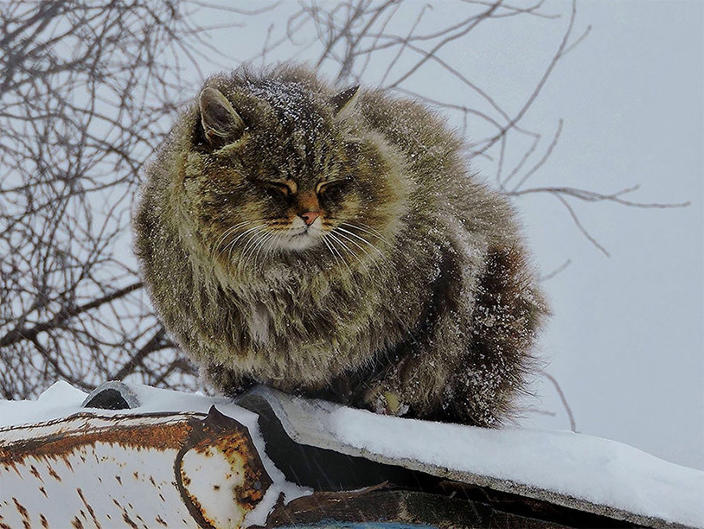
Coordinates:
column 386, row 402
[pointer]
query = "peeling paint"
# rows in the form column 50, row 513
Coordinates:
column 155, row 470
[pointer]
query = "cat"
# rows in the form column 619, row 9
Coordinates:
column 335, row 245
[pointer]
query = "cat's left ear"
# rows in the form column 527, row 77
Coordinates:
column 344, row 102
column 221, row 122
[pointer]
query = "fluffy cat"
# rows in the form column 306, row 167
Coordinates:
column 334, row 244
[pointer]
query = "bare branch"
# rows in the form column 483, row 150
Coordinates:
column 563, row 399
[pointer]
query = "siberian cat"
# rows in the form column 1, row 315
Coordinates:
column 335, row 244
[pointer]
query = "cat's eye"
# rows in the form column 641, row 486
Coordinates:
column 277, row 188
column 332, row 185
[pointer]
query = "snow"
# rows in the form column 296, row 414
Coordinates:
column 564, row 467
column 60, row 400
column 567, row 468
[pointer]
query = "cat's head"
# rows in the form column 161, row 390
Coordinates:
column 278, row 167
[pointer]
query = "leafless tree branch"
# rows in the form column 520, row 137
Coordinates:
column 88, row 90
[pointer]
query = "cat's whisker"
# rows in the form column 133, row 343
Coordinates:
column 333, row 252
column 229, row 231
column 327, row 245
column 250, row 247
column 369, row 243
column 351, row 241
column 265, row 240
column 233, row 242
column 371, row 231
column 367, row 229
column 336, row 237
column 256, row 247
column 375, row 262
column 250, row 231
column 333, row 240
column 382, row 257
column 273, row 243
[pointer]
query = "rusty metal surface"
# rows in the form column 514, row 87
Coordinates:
column 136, row 471
column 384, row 507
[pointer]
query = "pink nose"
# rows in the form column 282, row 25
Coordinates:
column 309, row 217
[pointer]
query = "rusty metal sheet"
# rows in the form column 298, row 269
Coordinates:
column 137, row 471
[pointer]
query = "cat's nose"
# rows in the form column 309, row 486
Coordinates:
column 309, row 217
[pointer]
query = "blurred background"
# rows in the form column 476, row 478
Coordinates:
column 589, row 115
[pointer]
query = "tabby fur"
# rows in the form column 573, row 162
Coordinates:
column 414, row 296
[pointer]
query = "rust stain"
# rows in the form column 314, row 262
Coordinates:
column 129, row 520
column 33, row 470
column 43, row 491
column 139, row 436
column 44, row 522
column 24, row 513
column 90, row 509
column 160, row 521
column 13, row 466
column 119, row 479
column 67, row 462
column 77, row 523
column 54, row 475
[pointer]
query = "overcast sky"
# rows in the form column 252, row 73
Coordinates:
column 625, row 340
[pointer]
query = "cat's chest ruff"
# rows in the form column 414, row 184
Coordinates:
column 260, row 324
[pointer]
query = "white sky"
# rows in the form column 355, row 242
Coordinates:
column 626, row 338
column 625, row 341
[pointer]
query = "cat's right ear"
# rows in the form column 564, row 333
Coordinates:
column 344, row 102
column 221, row 122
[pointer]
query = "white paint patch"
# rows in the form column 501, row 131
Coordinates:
column 99, row 485
column 212, row 483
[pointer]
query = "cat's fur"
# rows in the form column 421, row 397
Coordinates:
column 421, row 301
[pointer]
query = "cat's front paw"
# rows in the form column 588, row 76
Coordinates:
column 385, row 402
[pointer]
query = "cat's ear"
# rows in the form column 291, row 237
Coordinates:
column 343, row 102
column 221, row 122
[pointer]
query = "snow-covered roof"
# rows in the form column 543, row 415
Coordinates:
column 577, row 471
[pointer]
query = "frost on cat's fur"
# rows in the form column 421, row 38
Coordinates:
column 334, row 243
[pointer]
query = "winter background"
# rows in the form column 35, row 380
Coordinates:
column 626, row 339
